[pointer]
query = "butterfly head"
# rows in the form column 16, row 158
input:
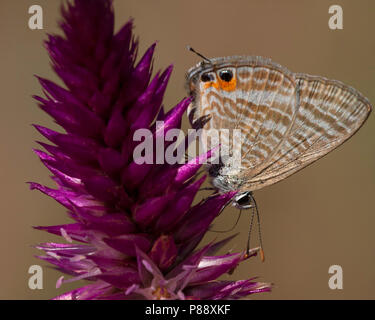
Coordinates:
column 243, row 200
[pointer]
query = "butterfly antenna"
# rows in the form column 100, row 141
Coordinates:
column 250, row 228
column 199, row 54
column 255, row 210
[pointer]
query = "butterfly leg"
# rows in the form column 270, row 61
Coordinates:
column 204, row 189
column 228, row 230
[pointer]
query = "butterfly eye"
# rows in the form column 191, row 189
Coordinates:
column 206, row 77
column 243, row 200
column 226, row 75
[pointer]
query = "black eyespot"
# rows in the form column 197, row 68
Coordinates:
column 226, row 75
column 206, row 77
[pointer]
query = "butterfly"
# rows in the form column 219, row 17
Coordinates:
column 287, row 120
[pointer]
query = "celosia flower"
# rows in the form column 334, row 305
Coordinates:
column 135, row 230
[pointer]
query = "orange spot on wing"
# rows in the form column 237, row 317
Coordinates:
column 210, row 84
column 228, row 86
column 223, row 85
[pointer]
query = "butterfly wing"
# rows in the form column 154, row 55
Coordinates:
column 261, row 105
column 329, row 113
column 265, row 106
column 287, row 120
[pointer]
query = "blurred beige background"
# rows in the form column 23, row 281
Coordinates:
column 319, row 217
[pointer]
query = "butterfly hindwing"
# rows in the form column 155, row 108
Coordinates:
column 265, row 113
column 329, row 114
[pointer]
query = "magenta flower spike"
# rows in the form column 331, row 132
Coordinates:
column 134, row 231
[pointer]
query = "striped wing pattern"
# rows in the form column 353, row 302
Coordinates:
column 329, row 113
column 263, row 111
column 262, row 107
column 287, row 120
